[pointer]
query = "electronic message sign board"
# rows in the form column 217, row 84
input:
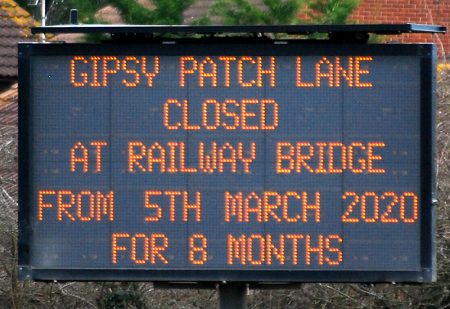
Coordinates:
column 277, row 161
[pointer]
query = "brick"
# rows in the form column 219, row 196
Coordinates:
column 401, row 11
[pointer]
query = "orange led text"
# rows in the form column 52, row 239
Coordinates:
column 67, row 205
column 230, row 114
column 336, row 73
column 272, row 206
column 284, row 249
column 387, row 207
column 245, row 71
column 329, row 157
column 172, row 157
column 140, row 248
column 82, row 157
column 98, row 71
column 172, row 205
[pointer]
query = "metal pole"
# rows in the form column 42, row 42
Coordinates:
column 43, row 13
column 74, row 16
column 43, row 17
column 232, row 295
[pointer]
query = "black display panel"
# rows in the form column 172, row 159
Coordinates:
column 276, row 161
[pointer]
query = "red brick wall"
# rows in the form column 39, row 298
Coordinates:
column 435, row 12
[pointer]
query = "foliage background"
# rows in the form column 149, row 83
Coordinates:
column 228, row 12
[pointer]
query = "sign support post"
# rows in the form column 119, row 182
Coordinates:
column 232, row 295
